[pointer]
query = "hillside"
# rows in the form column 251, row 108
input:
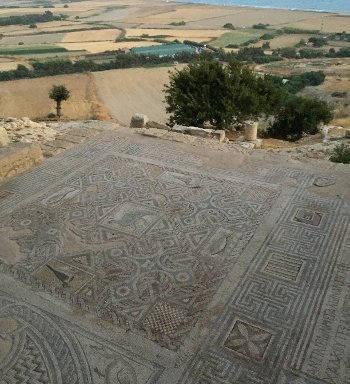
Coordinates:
column 30, row 98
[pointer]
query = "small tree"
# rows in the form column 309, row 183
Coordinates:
column 229, row 26
column 59, row 93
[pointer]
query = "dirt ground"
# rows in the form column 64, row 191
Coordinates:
column 283, row 41
column 32, row 99
column 134, row 90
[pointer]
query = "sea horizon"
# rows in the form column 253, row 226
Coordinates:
column 321, row 6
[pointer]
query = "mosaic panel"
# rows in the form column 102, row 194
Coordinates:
column 139, row 244
column 39, row 348
column 285, row 320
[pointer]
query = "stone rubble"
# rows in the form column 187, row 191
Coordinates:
column 4, row 139
column 27, row 131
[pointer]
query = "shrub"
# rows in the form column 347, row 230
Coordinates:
column 341, row 154
column 299, row 116
column 229, row 26
column 260, row 26
column 178, row 23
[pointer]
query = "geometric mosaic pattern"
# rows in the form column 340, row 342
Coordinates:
column 39, row 348
column 137, row 237
column 287, row 322
column 248, row 340
column 122, row 237
column 165, row 319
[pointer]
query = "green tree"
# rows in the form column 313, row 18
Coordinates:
column 229, row 26
column 59, row 93
column 209, row 92
column 299, row 116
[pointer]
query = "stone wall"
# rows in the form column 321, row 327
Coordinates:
column 18, row 158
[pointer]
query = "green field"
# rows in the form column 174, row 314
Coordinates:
column 31, row 50
column 237, row 37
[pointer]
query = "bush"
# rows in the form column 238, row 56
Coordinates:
column 178, row 23
column 341, row 154
column 267, row 36
column 229, row 26
column 260, row 26
column 299, row 116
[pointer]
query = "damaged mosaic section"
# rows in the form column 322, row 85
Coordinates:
column 137, row 243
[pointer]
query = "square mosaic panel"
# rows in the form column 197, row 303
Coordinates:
column 125, row 237
column 307, row 216
column 248, row 340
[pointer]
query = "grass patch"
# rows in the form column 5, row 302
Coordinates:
column 237, row 37
column 161, row 65
column 341, row 154
column 31, row 50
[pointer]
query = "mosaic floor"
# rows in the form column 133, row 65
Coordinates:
column 141, row 264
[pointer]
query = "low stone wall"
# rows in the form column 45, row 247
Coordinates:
column 18, row 158
column 201, row 132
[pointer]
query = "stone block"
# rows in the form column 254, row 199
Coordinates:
column 4, row 139
column 347, row 133
column 154, row 124
column 139, row 121
column 18, row 158
column 250, row 131
column 200, row 132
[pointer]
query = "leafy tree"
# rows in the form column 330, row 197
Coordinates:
column 288, row 52
column 229, row 26
column 299, row 116
column 208, row 91
column 317, row 41
column 59, row 93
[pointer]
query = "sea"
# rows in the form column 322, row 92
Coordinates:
column 336, row 6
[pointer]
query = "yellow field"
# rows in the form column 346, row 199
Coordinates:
column 153, row 17
column 17, row 99
column 324, row 22
column 134, row 90
column 198, row 35
column 283, row 41
column 93, row 41
column 91, row 36
column 10, row 65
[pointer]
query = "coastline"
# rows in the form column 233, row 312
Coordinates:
column 257, row 7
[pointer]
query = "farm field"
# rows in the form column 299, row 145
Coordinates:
column 83, row 103
column 324, row 22
column 198, row 35
column 135, row 90
column 135, row 18
column 283, row 41
column 237, row 37
column 30, row 50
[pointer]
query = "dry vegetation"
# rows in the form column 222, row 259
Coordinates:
column 83, row 103
column 135, row 90
column 170, row 34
